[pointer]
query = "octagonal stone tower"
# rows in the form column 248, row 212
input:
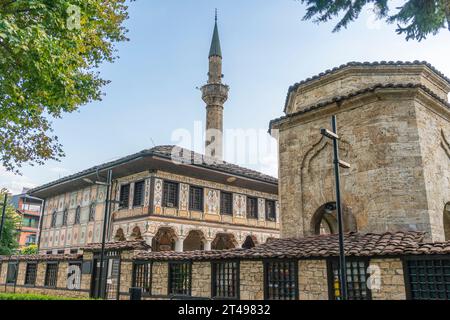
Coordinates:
column 394, row 123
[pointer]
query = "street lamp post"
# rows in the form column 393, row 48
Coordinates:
column 105, row 223
column 3, row 214
column 338, row 163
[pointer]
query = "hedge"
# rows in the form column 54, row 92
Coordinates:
column 31, row 296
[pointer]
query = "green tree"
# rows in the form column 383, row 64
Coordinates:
column 30, row 249
column 8, row 240
column 416, row 19
column 50, row 51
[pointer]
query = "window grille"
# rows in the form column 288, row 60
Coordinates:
column 428, row 279
column 270, row 210
column 170, row 194
column 225, row 282
column 226, row 203
column 252, row 207
column 281, row 280
column 180, row 278
column 356, row 280
column 30, row 274
column 77, row 215
column 138, row 196
column 124, row 197
column 195, row 198
column 53, row 221
column 92, row 212
column 11, row 273
column 64, row 217
column 142, row 276
column 51, row 275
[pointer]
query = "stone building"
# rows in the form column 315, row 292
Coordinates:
column 172, row 198
column 393, row 120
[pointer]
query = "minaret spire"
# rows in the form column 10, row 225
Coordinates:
column 214, row 94
column 215, row 49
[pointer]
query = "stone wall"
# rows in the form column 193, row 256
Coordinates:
column 252, row 280
column 312, row 280
column 201, row 279
column 386, row 279
column 160, row 275
column 60, row 290
column 392, row 285
column 434, row 133
column 126, row 274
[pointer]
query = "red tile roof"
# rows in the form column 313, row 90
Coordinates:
column 118, row 245
column 42, row 257
column 356, row 244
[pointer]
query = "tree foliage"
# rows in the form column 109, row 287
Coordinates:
column 30, row 249
column 49, row 54
column 416, row 19
column 8, row 240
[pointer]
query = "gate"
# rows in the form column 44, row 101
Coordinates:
column 107, row 287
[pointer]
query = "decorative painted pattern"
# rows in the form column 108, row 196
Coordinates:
column 184, row 196
column 212, row 201
column 239, row 205
column 157, row 197
column 147, row 193
column 261, row 209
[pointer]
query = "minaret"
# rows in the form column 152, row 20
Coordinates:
column 214, row 93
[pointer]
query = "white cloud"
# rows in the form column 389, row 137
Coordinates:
column 14, row 182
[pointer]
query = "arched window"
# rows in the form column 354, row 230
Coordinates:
column 64, row 217
column 324, row 220
column 447, row 221
column 250, row 242
column 92, row 212
column 194, row 241
column 53, row 221
column 224, row 241
column 77, row 215
column 120, row 236
column 136, row 234
column 164, row 240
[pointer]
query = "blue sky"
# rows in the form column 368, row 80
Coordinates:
column 266, row 47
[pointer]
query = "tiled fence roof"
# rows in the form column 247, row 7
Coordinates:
column 356, row 244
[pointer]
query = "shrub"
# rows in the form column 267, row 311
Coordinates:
column 32, row 296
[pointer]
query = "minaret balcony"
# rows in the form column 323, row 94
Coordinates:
column 214, row 92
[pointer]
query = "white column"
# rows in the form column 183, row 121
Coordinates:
column 148, row 240
column 207, row 245
column 179, row 244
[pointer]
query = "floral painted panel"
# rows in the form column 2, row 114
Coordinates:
column 184, row 196
column 212, row 201
column 239, row 205
column 157, row 199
